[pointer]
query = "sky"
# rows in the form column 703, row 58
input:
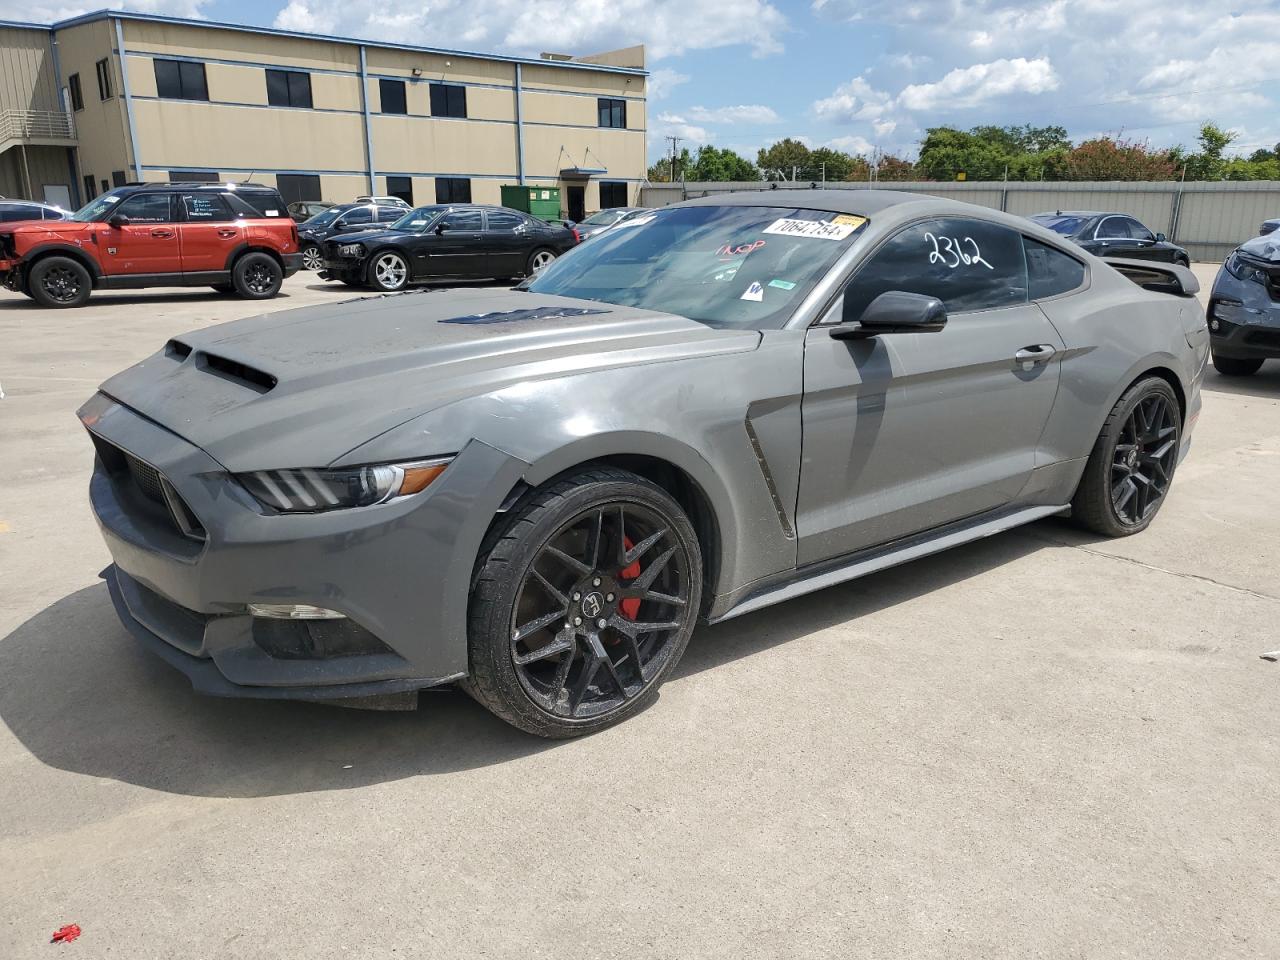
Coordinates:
column 858, row 75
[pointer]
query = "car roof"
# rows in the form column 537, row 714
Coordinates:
column 199, row 186
column 860, row 202
column 26, row 203
column 1080, row 213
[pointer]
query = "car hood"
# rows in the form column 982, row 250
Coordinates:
column 368, row 236
column 70, row 228
column 1262, row 248
column 302, row 387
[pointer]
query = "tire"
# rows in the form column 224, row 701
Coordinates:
column 59, row 282
column 1232, row 367
column 538, row 260
column 1130, row 469
column 388, row 271
column 541, row 695
column 257, row 276
column 312, row 257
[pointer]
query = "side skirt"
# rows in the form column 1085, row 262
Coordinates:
column 829, row 573
column 136, row 281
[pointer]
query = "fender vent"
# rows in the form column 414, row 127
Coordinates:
column 177, row 350
column 257, row 380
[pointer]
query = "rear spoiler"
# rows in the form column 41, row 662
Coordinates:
column 1160, row 277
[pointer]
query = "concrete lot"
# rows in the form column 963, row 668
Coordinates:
column 1041, row 745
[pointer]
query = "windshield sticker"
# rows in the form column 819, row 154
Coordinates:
column 848, row 220
column 636, row 222
column 535, row 313
column 952, row 253
column 755, row 292
column 110, row 199
column 741, row 250
column 813, row 229
column 782, row 284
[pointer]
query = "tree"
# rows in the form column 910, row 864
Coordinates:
column 1106, row 159
column 783, row 159
column 661, row 171
column 1209, row 163
column 946, row 152
column 826, row 163
column 889, row 167
column 721, row 164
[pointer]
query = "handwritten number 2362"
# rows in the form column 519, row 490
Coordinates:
column 952, row 252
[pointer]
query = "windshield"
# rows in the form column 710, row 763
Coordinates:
column 416, row 220
column 604, row 218
column 323, row 218
column 97, row 210
column 1067, row 225
column 730, row 266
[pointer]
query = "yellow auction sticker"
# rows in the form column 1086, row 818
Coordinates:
column 848, row 220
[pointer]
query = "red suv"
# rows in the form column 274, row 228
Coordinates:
column 228, row 236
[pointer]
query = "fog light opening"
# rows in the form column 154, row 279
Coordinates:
column 294, row 611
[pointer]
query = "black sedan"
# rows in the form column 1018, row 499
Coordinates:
column 446, row 241
column 1112, row 235
column 341, row 218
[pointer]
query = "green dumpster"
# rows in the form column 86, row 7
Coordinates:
column 540, row 202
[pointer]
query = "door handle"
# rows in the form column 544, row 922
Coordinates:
column 225, row 233
column 163, row 234
column 1036, row 354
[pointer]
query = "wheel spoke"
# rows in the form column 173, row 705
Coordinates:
column 572, row 563
column 548, row 586
column 594, row 538
column 561, row 677
column 639, row 593
column 617, row 680
column 539, row 623
column 1163, row 449
column 1130, row 488
column 563, row 642
column 641, row 548
column 620, row 548
column 650, row 573
column 635, row 628
column 589, row 668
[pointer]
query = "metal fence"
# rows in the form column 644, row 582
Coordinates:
column 36, row 125
column 1209, row 219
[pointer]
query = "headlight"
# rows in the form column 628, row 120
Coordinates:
column 1239, row 268
column 312, row 490
column 352, row 250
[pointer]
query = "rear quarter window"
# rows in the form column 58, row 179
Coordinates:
column 1050, row 272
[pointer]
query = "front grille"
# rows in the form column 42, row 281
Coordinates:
column 158, row 497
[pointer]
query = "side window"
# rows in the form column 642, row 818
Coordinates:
column 77, row 95
column 242, row 208
column 358, row 215
column 502, row 222
column 1049, row 271
column 205, row 208
column 463, row 220
column 146, row 208
column 967, row 264
column 1138, row 231
column 1112, row 228
column 387, row 214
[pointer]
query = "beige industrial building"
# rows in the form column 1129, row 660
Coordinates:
column 113, row 97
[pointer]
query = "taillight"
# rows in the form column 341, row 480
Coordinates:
column 293, row 232
column 577, row 237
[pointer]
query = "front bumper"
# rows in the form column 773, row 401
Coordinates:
column 1244, row 322
column 399, row 571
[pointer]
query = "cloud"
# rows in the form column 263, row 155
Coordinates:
column 858, row 146
column 972, row 86
column 53, row 12
column 663, row 80
column 853, row 101
column 666, row 27
column 743, row 113
column 673, row 125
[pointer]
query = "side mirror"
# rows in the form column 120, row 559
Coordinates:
column 894, row 311
column 118, row 221
column 1161, row 238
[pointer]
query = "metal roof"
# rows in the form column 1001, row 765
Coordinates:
column 348, row 41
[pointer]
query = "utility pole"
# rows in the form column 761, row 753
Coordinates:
column 671, row 174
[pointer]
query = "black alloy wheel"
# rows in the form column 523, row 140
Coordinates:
column 59, row 282
column 584, row 604
column 1143, row 460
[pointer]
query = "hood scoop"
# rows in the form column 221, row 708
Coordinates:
column 534, row 313
column 233, row 371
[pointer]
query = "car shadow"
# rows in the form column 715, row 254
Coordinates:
column 1264, row 383
column 109, row 299
column 82, row 696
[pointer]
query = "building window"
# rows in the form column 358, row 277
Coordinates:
column 288, row 88
column 448, row 100
column 118, row 178
column 180, row 80
column 401, row 187
column 193, row 176
column 453, row 190
column 612, row 113
column 89, row 190
column 105, row 186
column 298, row 186
column 612, row 194
column 104, row 79
column 391, row 96
column 77, row 98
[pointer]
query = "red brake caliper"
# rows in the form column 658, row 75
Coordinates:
column 631, row 607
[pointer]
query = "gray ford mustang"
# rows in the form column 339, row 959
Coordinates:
column 537, row 493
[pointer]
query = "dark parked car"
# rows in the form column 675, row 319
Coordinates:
column 1268, row 226
column 1113, row 235
column 14, row 210
column 304, row 210
column 602, row 220
column 463, row 241
column 540, row 492
column 1244, row 308
column 338, row 219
